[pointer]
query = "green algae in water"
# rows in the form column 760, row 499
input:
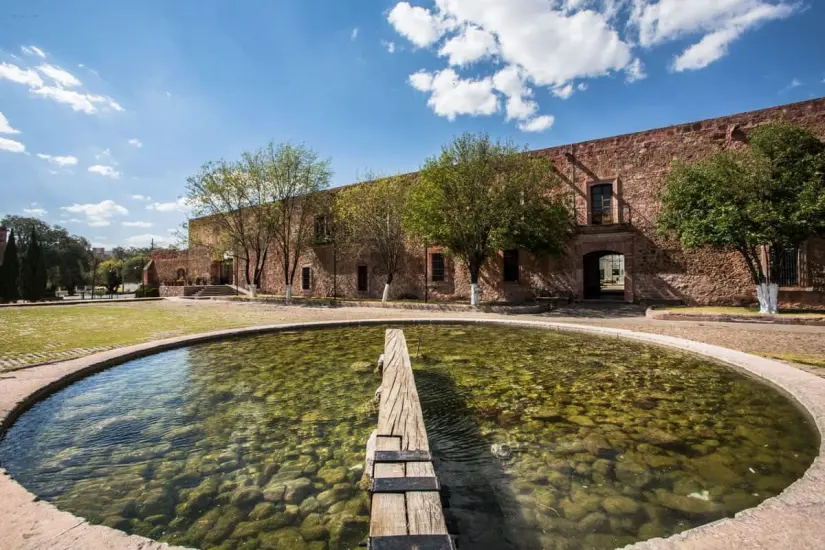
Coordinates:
column 544, row 439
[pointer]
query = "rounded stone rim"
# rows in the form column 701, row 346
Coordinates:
column 795, row 518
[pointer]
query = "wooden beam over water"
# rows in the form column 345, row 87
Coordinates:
column 401, row 428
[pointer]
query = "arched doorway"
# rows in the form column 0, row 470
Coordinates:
column 604, row 275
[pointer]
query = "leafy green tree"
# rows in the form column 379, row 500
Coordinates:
column 297, row 175
column 10, row 272
column 372, row 220
column 479, row 197
column 760, row 200
column 33, row 271
column 67, row 257
column 236, row 197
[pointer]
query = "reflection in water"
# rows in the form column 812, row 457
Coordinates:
column 545, row 440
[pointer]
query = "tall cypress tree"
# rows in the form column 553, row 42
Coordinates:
column 10, row 272
column 33, row 274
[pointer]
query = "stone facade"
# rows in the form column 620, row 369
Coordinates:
column 631, row 168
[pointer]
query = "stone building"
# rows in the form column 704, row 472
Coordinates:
column 614, row 184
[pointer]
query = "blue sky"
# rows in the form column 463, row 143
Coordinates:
column 105, row 104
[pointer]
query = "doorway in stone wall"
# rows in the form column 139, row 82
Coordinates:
column 604, row 276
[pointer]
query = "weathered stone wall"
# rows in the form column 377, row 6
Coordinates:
column 656, row 267
column 638, row 163
column 168, row 262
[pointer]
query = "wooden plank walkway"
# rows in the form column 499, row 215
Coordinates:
column 406, row 518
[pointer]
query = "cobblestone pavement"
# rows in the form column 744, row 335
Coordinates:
column 787, row 342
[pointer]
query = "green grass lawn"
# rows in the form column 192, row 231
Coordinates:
column 734, row 311
column 802, row 359
column 52, row 331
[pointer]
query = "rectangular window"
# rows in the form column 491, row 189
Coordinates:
column 305, row 278
column 601, row 204
column 788, row 265
column 437, row 267
column 363, row 282
column 322, row 233
column 511, row 266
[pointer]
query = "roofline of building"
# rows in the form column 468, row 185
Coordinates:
column 568, row 146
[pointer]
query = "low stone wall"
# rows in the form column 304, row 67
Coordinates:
column 665, row 315
column 794, row 519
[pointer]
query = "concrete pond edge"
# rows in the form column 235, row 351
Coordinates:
column 793, row 519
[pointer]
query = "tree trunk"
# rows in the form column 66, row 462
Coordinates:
column 386, row 296
column 288, row 293
column 475, row 269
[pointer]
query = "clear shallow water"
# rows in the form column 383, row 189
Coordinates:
column 544, row 439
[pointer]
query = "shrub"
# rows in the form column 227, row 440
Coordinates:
column 147, row 292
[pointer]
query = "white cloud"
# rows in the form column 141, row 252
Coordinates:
column 137, row 224
column 564, row 92
column 389, row 45
column 5, row 127
column 354, row 34
column 141, row 197
column 451, row 95
column 12, row 72
column 560, row 44
column 62, row 77
column 635, row 71
column 11, row 146
column 472, row 44
column 550, row 45
column 510, row 82
column 795, row 83
column 35, row 211
column 106, row 171
column 147, row 239
column 719, row 22
column 168, row 94
column 546, row 43
column 712, row 47
column 180, row 205
column 33, row 50
column 136, row 142
column 660, row 21
column 417, row 24
column 538, row 124
column 59, row 160
column 97, row 215
column 88, row 103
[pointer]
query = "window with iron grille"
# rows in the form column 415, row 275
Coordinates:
column 601, row 204
column 363, row 282
column 511, row 266
column 305, row 278
column 437, row 263
column 787, row 264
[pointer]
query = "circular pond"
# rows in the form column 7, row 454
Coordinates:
column 543, row 439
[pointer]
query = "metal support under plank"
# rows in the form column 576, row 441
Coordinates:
column 412, row 542
column 404, row 484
